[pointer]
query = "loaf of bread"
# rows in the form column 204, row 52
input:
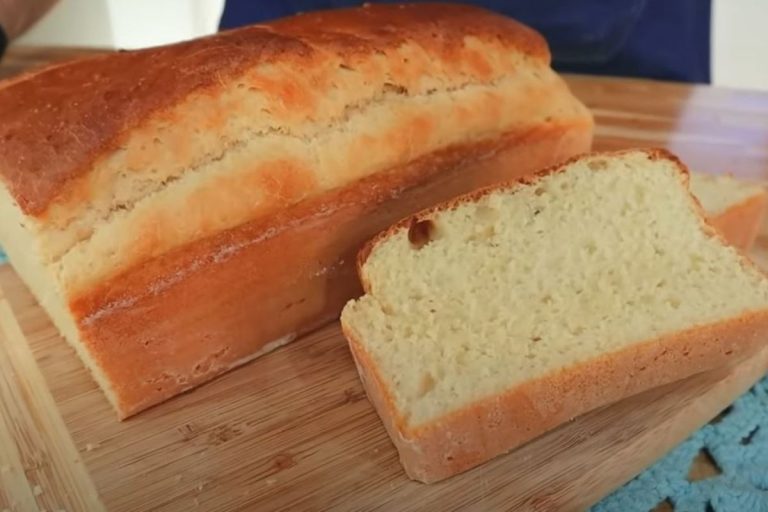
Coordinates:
column 736, row 208
column 181, row 210
column 494, row 317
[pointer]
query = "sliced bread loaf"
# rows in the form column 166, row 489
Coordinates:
column 497, row 316
column 736, row 208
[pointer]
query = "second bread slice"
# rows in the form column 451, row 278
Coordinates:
column 491, row 319
column 735, row 208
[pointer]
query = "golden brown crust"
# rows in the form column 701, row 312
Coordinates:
column 190, row 314
column 498, row 424
column 741, row 223
column 59, row 121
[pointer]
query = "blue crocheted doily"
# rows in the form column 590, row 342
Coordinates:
column 737, row 445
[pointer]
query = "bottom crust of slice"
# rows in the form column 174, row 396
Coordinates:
column 497, row 424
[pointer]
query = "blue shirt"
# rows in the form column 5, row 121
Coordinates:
column 663, row 39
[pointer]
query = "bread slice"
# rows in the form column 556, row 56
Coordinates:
column 736, row 208
column 492, row 318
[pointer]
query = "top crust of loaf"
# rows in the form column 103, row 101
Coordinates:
column 59, row 121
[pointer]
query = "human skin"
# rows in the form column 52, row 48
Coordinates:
column 16, row 16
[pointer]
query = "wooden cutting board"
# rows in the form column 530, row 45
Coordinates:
column 294, row 431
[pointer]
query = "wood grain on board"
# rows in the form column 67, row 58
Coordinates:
column 294, row 431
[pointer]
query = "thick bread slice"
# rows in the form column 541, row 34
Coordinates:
column 492, row 318
column 736, row 208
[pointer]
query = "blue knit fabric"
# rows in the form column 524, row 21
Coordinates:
column 738, row 444
column 3, row 259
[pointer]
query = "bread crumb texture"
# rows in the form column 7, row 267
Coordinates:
column 525, row 280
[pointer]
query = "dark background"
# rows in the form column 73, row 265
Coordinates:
column 662, row 39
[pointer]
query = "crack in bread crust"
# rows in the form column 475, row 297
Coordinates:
column 147, row 187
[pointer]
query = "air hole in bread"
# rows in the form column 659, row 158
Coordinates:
column 346, row 67
column 597, row 164
column 696, row 261
column 486, row 214
column 485, row 217
column 639, row 194
column 395, row 88
column 540, row 191
column 427, row 384
column 421, row 233
column 483, row 235
column 169, row 179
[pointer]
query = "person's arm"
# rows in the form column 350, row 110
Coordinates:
column 16, row 16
